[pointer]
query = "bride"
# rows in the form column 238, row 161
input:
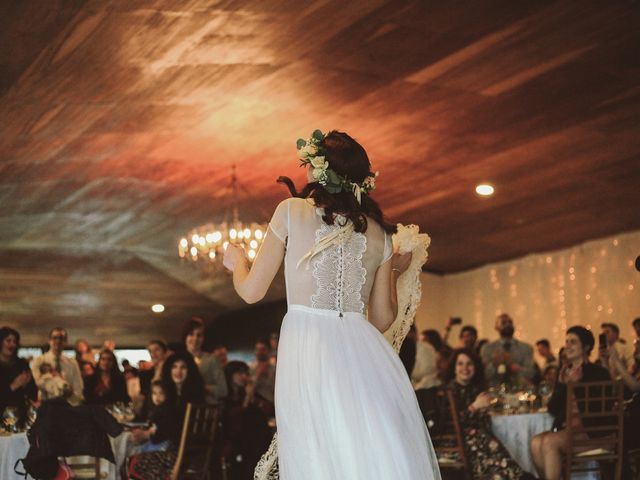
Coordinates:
column 345, row 408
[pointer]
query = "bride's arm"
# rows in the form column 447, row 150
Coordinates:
column 252, row 284
column 383, row 302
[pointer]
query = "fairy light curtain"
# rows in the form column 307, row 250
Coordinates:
column 544, row 293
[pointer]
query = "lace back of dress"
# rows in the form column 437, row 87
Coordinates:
column 338, row 271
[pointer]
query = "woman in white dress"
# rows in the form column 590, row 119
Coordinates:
column 345, row 408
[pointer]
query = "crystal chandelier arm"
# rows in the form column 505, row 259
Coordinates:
column 252, row 284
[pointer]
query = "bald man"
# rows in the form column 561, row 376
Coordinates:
column 507, row 357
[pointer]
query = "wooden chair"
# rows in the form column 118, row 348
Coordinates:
column 196, row 442
column 600, row 444
column 85, row 467
column 447, row 440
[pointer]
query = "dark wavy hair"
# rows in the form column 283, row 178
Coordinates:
column 193, row 387
column 114, row 370
column 348, row 159
column 478, row 378
column 190, row 325
column 5, row 332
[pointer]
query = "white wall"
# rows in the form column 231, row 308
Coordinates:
column 544, row 293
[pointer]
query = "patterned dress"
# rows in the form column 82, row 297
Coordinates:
column 487, row 456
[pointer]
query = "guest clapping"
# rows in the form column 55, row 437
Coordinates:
column 548, row 448
column 16, row 382
column 488, row 457
column 107, row 385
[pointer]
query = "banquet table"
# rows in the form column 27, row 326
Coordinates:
column 14, row 447
column 516, row 431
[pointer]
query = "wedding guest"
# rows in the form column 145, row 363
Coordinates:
column 107, row 385
column 247, row 434
column 222, row 354
column 612, row 331
column 442, row 349
column 16, row 381
column 263, row 373
column 543, row 347
column 548, row 448
column 507, row 358
column 468, row 337
column 84, row 355
column 183, row 384
column 214, row 382
column 424, row 376
column 158, row 352
column 86, row 369
column 163, row 432
column 67, row 367
column 487, row 456
column 51, row 383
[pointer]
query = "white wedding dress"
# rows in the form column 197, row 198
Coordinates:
column 345, row 408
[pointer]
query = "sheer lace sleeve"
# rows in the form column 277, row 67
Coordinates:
column 279, row 223
column 388, row 248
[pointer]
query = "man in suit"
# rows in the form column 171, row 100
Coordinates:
column 507, row 359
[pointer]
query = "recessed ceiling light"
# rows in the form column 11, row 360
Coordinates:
column 157, row 308
column 484, row 189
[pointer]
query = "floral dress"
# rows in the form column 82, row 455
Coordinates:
column 487, row 456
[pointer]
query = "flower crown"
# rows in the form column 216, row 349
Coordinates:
column 311, row 153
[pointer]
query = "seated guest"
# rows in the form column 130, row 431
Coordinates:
column 212, row 373
column 183, row 384
column 550, row 375
column 548, row 448
column 16, row 382
column 507, row 358
column 246, row 434
column 163, row 432
column 487, row 456
column 67, row 368
column 107, row 385
column 543, row 347
column 263, row 372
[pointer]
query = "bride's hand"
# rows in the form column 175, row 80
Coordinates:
column 400, row 262
column 232, row 256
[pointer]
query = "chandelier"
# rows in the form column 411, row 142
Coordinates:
column 205, row 244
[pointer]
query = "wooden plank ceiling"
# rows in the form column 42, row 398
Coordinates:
column 120, row 122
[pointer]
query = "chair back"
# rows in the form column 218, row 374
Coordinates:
column 85, row 467
column 197, row 438
column 595, row 419
column 447, row 439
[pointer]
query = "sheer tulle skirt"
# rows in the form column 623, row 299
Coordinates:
column 345, row 407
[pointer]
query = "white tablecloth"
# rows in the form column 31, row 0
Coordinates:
column 516, row 431
column 15, row 447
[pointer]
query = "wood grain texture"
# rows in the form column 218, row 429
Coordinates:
column 120, row 121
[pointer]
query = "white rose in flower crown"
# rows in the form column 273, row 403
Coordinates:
column 317, row 173
column 308, row 150
column 319, row 162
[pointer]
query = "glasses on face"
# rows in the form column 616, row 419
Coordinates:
column 59, row 337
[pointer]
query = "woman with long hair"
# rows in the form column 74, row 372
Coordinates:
column 345, row 407
column 107, row 385
column 16, row 383
column 487, row 456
